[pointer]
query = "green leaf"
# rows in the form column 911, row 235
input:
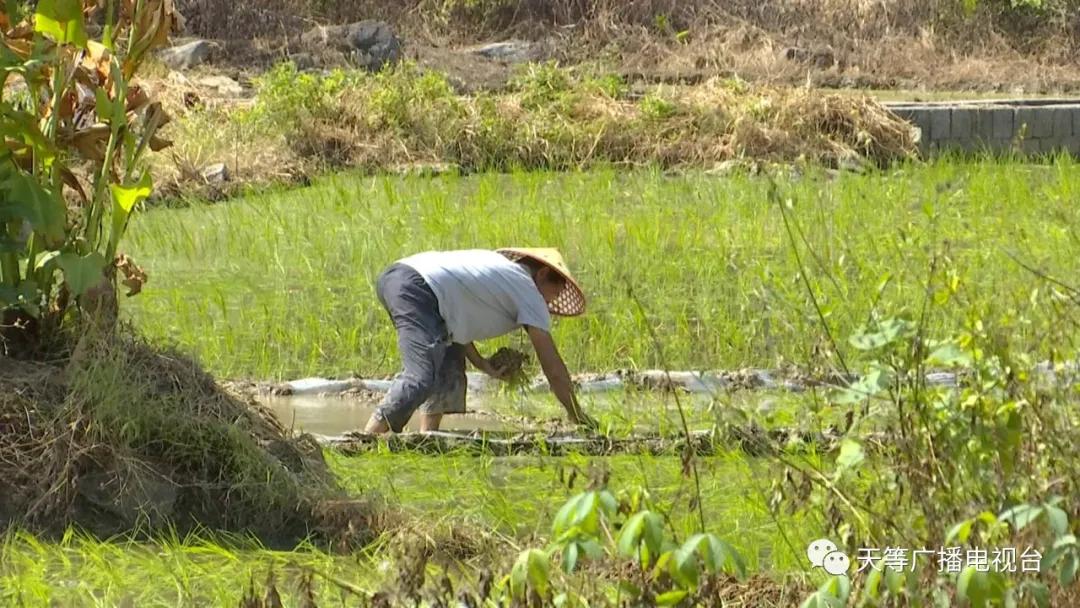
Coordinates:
column 112, row 111
column 26, row 296
column 894, row 580
column 29, row 200
column 980, row 588
column 684, row 568
column 961, row 531
column 966, row 584
column 561, row 523
column 815, row 601
column 585, row 510
column 630, row 535
column 888, row 332
column 124, row 200
column 822, row 599
column 641, row 537
column 592, row 549
column 851, row 454
column 948, row 355
column 518, row 577
column 578, row 512
column 126, row 197
column 82, row 272
column 1052, row 557
column 872, row 586
column 1021, row 515
column 1039, row 592
column 1065, row 540
column 838, row 587
column 671, row 598
column 570, row 557
column 654, row 532
column 716, row 553
column 1059, row 520
column 1067, row 574
column 46, row 259
column 869, row 385
column 61, row 20
column 629, row 589
column 539, row 570
column 531, row 569
column 608, row 503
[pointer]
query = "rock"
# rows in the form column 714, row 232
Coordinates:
column 187, row 56
column 727, row 167
column 216, row 174
column 370, row 44
column 222, row 85
column 511, row 51
column 426, row 169
column 823, row 58
column 304, row 61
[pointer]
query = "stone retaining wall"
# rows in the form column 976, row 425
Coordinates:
column 1029, row 127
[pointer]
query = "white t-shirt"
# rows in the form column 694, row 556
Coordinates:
column 481, row 294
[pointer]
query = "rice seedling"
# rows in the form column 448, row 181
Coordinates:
column 280, row 285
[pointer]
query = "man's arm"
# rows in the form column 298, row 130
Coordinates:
column 557, row 374
column 479, row 361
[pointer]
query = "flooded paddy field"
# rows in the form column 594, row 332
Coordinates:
column 278, row 286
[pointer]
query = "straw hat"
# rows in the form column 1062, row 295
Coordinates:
column 569, row 303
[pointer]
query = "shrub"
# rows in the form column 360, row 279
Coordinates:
column 71, row 169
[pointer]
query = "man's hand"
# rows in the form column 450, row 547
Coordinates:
column 558, row 376
column 586, row 422
column 483, row 364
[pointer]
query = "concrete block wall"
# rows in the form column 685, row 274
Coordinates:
column 1030, row 127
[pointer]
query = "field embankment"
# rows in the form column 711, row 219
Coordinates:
column 407, row 120
column 119, row 437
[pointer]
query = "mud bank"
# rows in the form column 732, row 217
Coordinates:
column 753, row 440
column 702, row 383
column 692, row 382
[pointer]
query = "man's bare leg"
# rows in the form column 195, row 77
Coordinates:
column 430, row 422
column 376, row 426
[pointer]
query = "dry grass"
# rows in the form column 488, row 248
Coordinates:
column 119, row 436
column 911, row 44
column 552, row 119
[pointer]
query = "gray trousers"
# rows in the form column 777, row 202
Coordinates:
column 434, row 374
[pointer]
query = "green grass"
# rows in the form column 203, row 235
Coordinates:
column 519, row 496
column 280, row 285
column 83, row 571
column 514, row 498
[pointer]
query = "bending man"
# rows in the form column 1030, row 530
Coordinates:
column 441, row 302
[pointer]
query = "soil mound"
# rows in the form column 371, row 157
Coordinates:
column 121, row 436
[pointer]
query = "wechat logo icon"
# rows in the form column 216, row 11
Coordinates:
column 823, row 554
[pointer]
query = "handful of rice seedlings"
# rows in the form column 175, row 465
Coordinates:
column 511, row 363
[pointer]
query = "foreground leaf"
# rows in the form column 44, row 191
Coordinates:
column 61, row 20
column 27, row 199
column 82, row 273
column 124, row 200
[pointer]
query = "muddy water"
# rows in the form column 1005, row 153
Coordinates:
column 333, row 416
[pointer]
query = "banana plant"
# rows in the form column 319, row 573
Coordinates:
column 75, row 129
